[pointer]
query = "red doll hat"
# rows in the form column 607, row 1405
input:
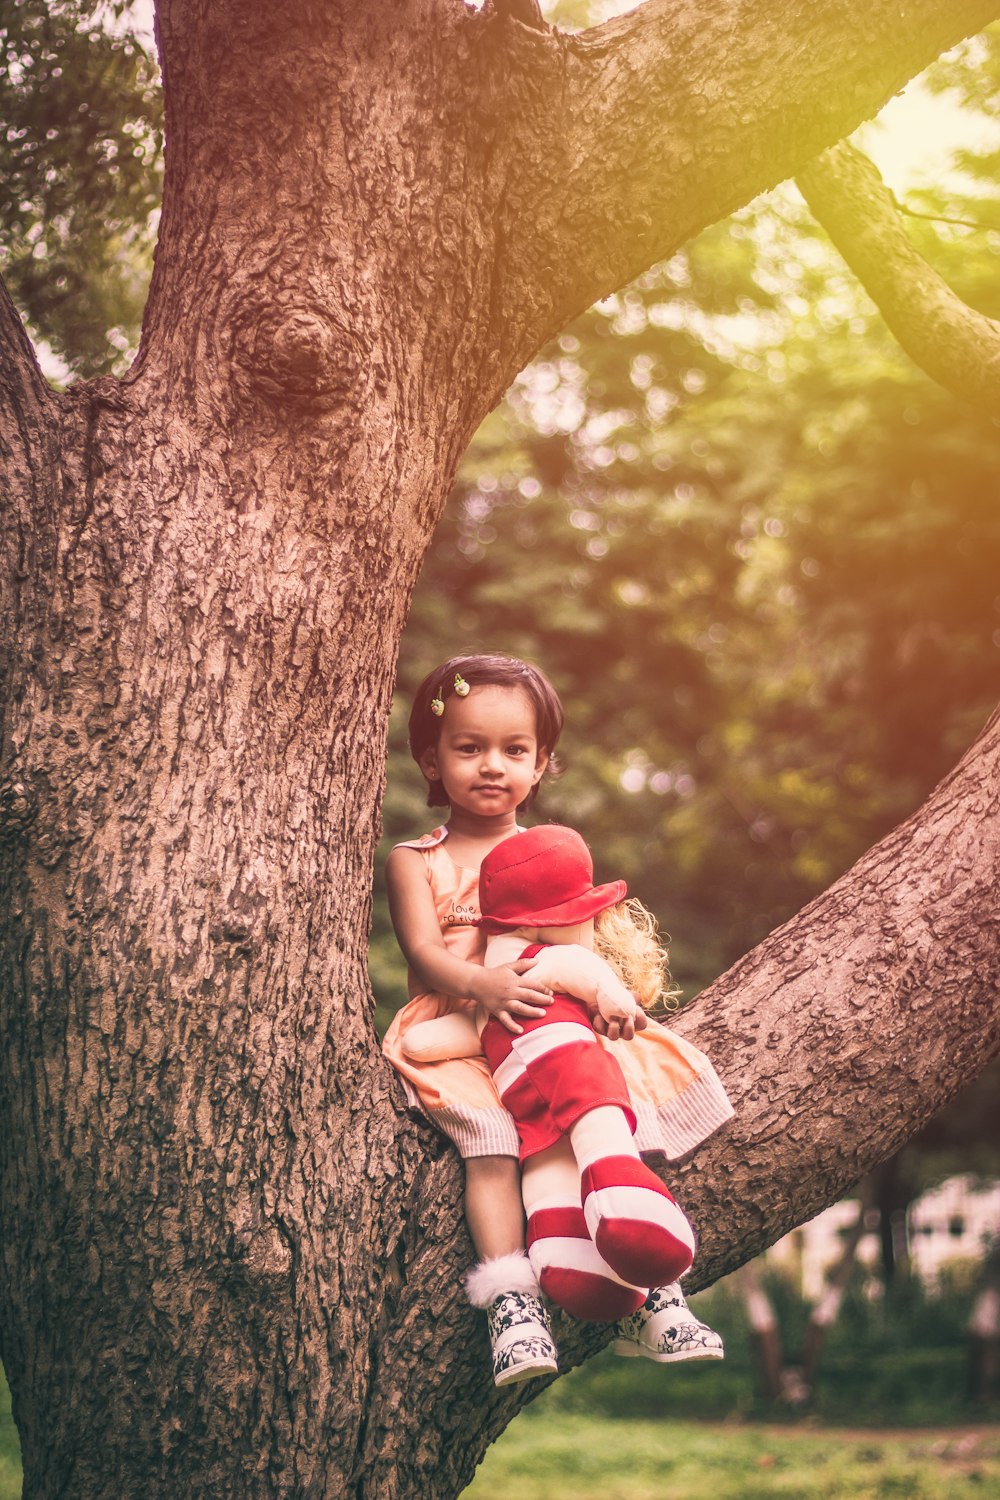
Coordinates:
column 542, row 878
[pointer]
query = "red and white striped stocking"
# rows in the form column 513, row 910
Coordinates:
column 570, row 1269
column 634, row 1222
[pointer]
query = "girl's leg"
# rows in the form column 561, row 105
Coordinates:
column 503, row 1283
column 446, row 1037
column 568, row 1265
column 493, row 1208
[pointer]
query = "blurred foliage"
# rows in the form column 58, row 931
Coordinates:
column 970, row 73
column 79, row 176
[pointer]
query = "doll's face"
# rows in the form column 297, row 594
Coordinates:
column 582, row 934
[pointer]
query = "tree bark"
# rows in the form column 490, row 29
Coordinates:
column 229, row 1260
column 954, row 344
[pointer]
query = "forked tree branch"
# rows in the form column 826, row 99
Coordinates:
column 954, row 344
column 558, row 167
column 626, row 140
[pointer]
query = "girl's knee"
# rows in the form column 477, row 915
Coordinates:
column 493, row 1169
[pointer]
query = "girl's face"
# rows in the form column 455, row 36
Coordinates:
column 488, row 757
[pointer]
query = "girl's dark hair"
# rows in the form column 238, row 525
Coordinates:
column 483, row 671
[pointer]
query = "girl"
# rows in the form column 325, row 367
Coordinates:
column 483, row 730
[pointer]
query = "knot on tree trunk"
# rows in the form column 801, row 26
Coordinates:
column 261, row 1252
column 18, row 808
column 303, row 355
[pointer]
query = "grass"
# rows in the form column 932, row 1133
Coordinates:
column 10, row 1450
column 552, row 1454
column 544, row 1457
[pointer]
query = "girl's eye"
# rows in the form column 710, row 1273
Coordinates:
column 517, row 750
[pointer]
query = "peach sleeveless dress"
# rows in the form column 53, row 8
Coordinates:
column 678, row 1098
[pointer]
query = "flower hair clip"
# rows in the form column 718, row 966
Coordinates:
column 462, row 690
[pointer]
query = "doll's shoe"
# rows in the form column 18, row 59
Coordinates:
column 665, row 1329
column 520, row 1335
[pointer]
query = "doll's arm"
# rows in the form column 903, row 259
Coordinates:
column 447, row 1037
column 574, row 970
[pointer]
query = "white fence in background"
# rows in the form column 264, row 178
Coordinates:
column 956, row 1221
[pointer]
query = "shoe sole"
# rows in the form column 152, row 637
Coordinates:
column 526, row 1372
column 630, row 1351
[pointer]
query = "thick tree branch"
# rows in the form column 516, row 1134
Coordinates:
column 954, row 344
column 852, row 1025
column 630, row 138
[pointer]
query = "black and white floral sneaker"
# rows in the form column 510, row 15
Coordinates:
column 520, row 1338
column 520, row 1334
column 665, row 1329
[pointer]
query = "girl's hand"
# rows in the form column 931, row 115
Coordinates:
column 506, row 995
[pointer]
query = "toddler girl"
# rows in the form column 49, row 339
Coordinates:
column 483, row 730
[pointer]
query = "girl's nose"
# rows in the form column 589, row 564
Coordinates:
column 490, row 763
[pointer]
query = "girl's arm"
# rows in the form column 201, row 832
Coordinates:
column 501, row 991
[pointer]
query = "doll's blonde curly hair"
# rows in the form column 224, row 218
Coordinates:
column 627, row 936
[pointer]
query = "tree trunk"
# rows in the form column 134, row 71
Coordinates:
column 229, row 1260
column 983, row 1328
column 763, row 1322
column 823, row 1315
